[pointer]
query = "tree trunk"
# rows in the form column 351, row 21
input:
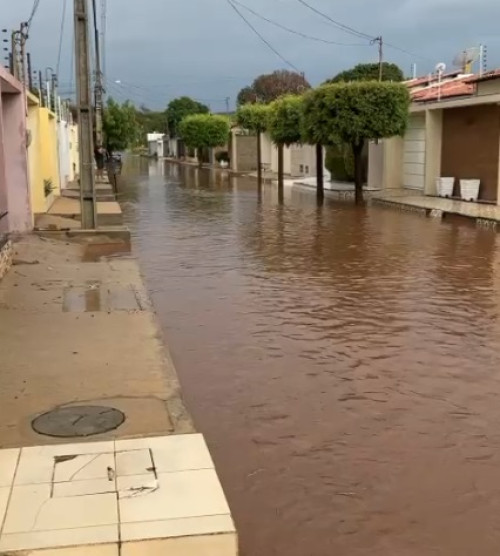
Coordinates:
column 357, row 150
column 280, row 173
column 259, row 158
column 199, row 153
column 320, row 186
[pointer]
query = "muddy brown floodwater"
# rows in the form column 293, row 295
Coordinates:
column 343, row 363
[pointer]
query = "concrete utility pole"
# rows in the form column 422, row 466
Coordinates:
column 84, row 102
column 380, row 41
column 98, row 90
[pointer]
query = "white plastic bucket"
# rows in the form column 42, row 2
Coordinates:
column 469, row 189
column 444, row 186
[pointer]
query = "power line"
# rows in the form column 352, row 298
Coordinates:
column 61, row 36
column 265, row 41
column 72, row 57
column 103, row 38
column 412, row 54
column 293, row 31
column 342, row 26
column 36, row 3
column 357, row 33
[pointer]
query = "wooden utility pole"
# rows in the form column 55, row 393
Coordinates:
column 84, row 103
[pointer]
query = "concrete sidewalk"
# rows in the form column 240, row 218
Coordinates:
column 109, row 213
column 76, row 334
column 484, row 214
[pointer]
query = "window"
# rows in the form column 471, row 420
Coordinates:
column 301, row 168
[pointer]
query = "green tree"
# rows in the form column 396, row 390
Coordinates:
column 181, row 107
column 253, row 117
column 150, row 121
column 270, row 86
column 121, row 129
column 284, row 126
column 200, row 131
column 246, row 96
column 353, row 113
column 369, row 72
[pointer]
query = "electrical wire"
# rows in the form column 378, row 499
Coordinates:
column 265, row 41
column 412, row 54
column 61, row 36
column 72, row 58
column 357, row 33
column 342, row 26
column 36, row 4
column 293, row 31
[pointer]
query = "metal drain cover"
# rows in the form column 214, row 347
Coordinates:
column 82, row 420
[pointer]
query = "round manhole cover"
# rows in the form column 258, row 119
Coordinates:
column 82, row 420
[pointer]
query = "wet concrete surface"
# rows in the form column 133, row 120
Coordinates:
column 81, row 333
column 343, row 363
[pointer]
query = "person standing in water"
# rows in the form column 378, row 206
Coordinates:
column 100, row 159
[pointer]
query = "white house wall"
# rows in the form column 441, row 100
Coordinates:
column 287, row 160
column 65, row 172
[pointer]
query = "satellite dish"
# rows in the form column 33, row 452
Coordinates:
column 465, row 59
column 440, row 68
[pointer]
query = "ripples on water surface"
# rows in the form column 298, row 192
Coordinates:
column 343, row 363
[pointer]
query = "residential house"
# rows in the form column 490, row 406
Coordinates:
column 454, row 131
column 156, row 143
column 15, row 213
column 44, row 156
column 298, row 160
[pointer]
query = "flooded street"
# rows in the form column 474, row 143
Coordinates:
column 343, row 363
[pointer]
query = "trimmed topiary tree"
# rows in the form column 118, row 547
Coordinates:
column 284, row 126
column 354, row 113
column 254, row 117
column 201, row 131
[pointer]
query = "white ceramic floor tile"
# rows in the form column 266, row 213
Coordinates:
column 173, row 453
column 8, row 464
column 84, row 467
column 25, row 505
column 212, row 545
column 36, row 465
column 31, row 509
column 133, row 462
column 34, row 468
column 62, row 538
column 101, row 550
column 72, row 449
column 4, row 499
column 206, row 525
column 136, row 485
column 80, row 488
column 180, row 495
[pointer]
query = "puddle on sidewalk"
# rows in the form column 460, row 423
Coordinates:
column 95, row 252
column 95, row 297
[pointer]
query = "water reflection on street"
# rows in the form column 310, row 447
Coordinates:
column 343, row 363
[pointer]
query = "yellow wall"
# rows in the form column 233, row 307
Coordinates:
column 42, row 154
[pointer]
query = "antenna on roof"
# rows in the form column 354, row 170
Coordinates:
column 465, row 59
column 483, row 55
column 414, row 71
column 440, row 69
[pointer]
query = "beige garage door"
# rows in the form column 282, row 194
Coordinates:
column 414, row 153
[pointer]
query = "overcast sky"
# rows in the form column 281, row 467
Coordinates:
column 160, row 49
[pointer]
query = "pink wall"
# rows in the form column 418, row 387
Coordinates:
column 14, row 185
